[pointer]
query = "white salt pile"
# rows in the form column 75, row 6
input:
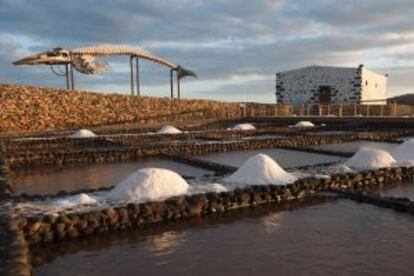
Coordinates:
column 370, row 159
column 149, row 184
column 168, row 130
column 76, row 200
column 209, row 187
column 340, row 168
column 304, row 124
column 245, row 126
column 260, row 169
column 407, row 163
column 405, row 151
column 83, row 133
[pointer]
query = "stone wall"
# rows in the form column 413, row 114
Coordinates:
column 25, row 108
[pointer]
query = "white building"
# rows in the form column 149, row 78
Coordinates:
column 326, row 84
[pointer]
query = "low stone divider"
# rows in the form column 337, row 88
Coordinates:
column 400, row 204
column 14, row 249
column 220, row 169
column 16, row 160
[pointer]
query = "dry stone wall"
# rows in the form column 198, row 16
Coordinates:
column 26, row 108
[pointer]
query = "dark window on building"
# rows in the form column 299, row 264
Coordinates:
column 325, row 94
column 366, row 83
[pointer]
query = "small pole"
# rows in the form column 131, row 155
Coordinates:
column 137, row 76
column 355, row 109
column 67, row 76
column 178, row 86
column 395, row 108
column 72, row 78
column 131, row 68
column 172, row 83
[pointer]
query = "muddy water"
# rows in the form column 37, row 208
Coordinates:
column 340, row 237
column 50, row 181
column 285, row 158
column 357, row 145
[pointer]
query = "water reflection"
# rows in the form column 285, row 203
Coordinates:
column 272, row 222
column 165, row 243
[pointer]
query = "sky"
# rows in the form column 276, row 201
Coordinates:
column 235, row 47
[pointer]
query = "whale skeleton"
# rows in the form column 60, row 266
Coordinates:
column 88, row 60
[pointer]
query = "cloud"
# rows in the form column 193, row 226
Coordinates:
column 218, row 39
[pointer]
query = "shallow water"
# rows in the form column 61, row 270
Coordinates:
column 340, row 237
column 357, row 145
column 285, row 158
column 49, row 181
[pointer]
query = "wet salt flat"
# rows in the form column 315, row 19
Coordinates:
column 49, row 181
column 323, row 238
column 285, row 158
column 357, row 145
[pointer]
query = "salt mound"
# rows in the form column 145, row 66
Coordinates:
column 304, row 124
column 340, row 168
column 168, row 130
column 370, row 159
column 83, row 133
column 72, row 201
column 243, row 127
column 260, row 169
column 407, row 163
column 210, row 187
column 149, row 184
column 405, row 151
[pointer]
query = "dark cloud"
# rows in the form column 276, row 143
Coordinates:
column 218, row 39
